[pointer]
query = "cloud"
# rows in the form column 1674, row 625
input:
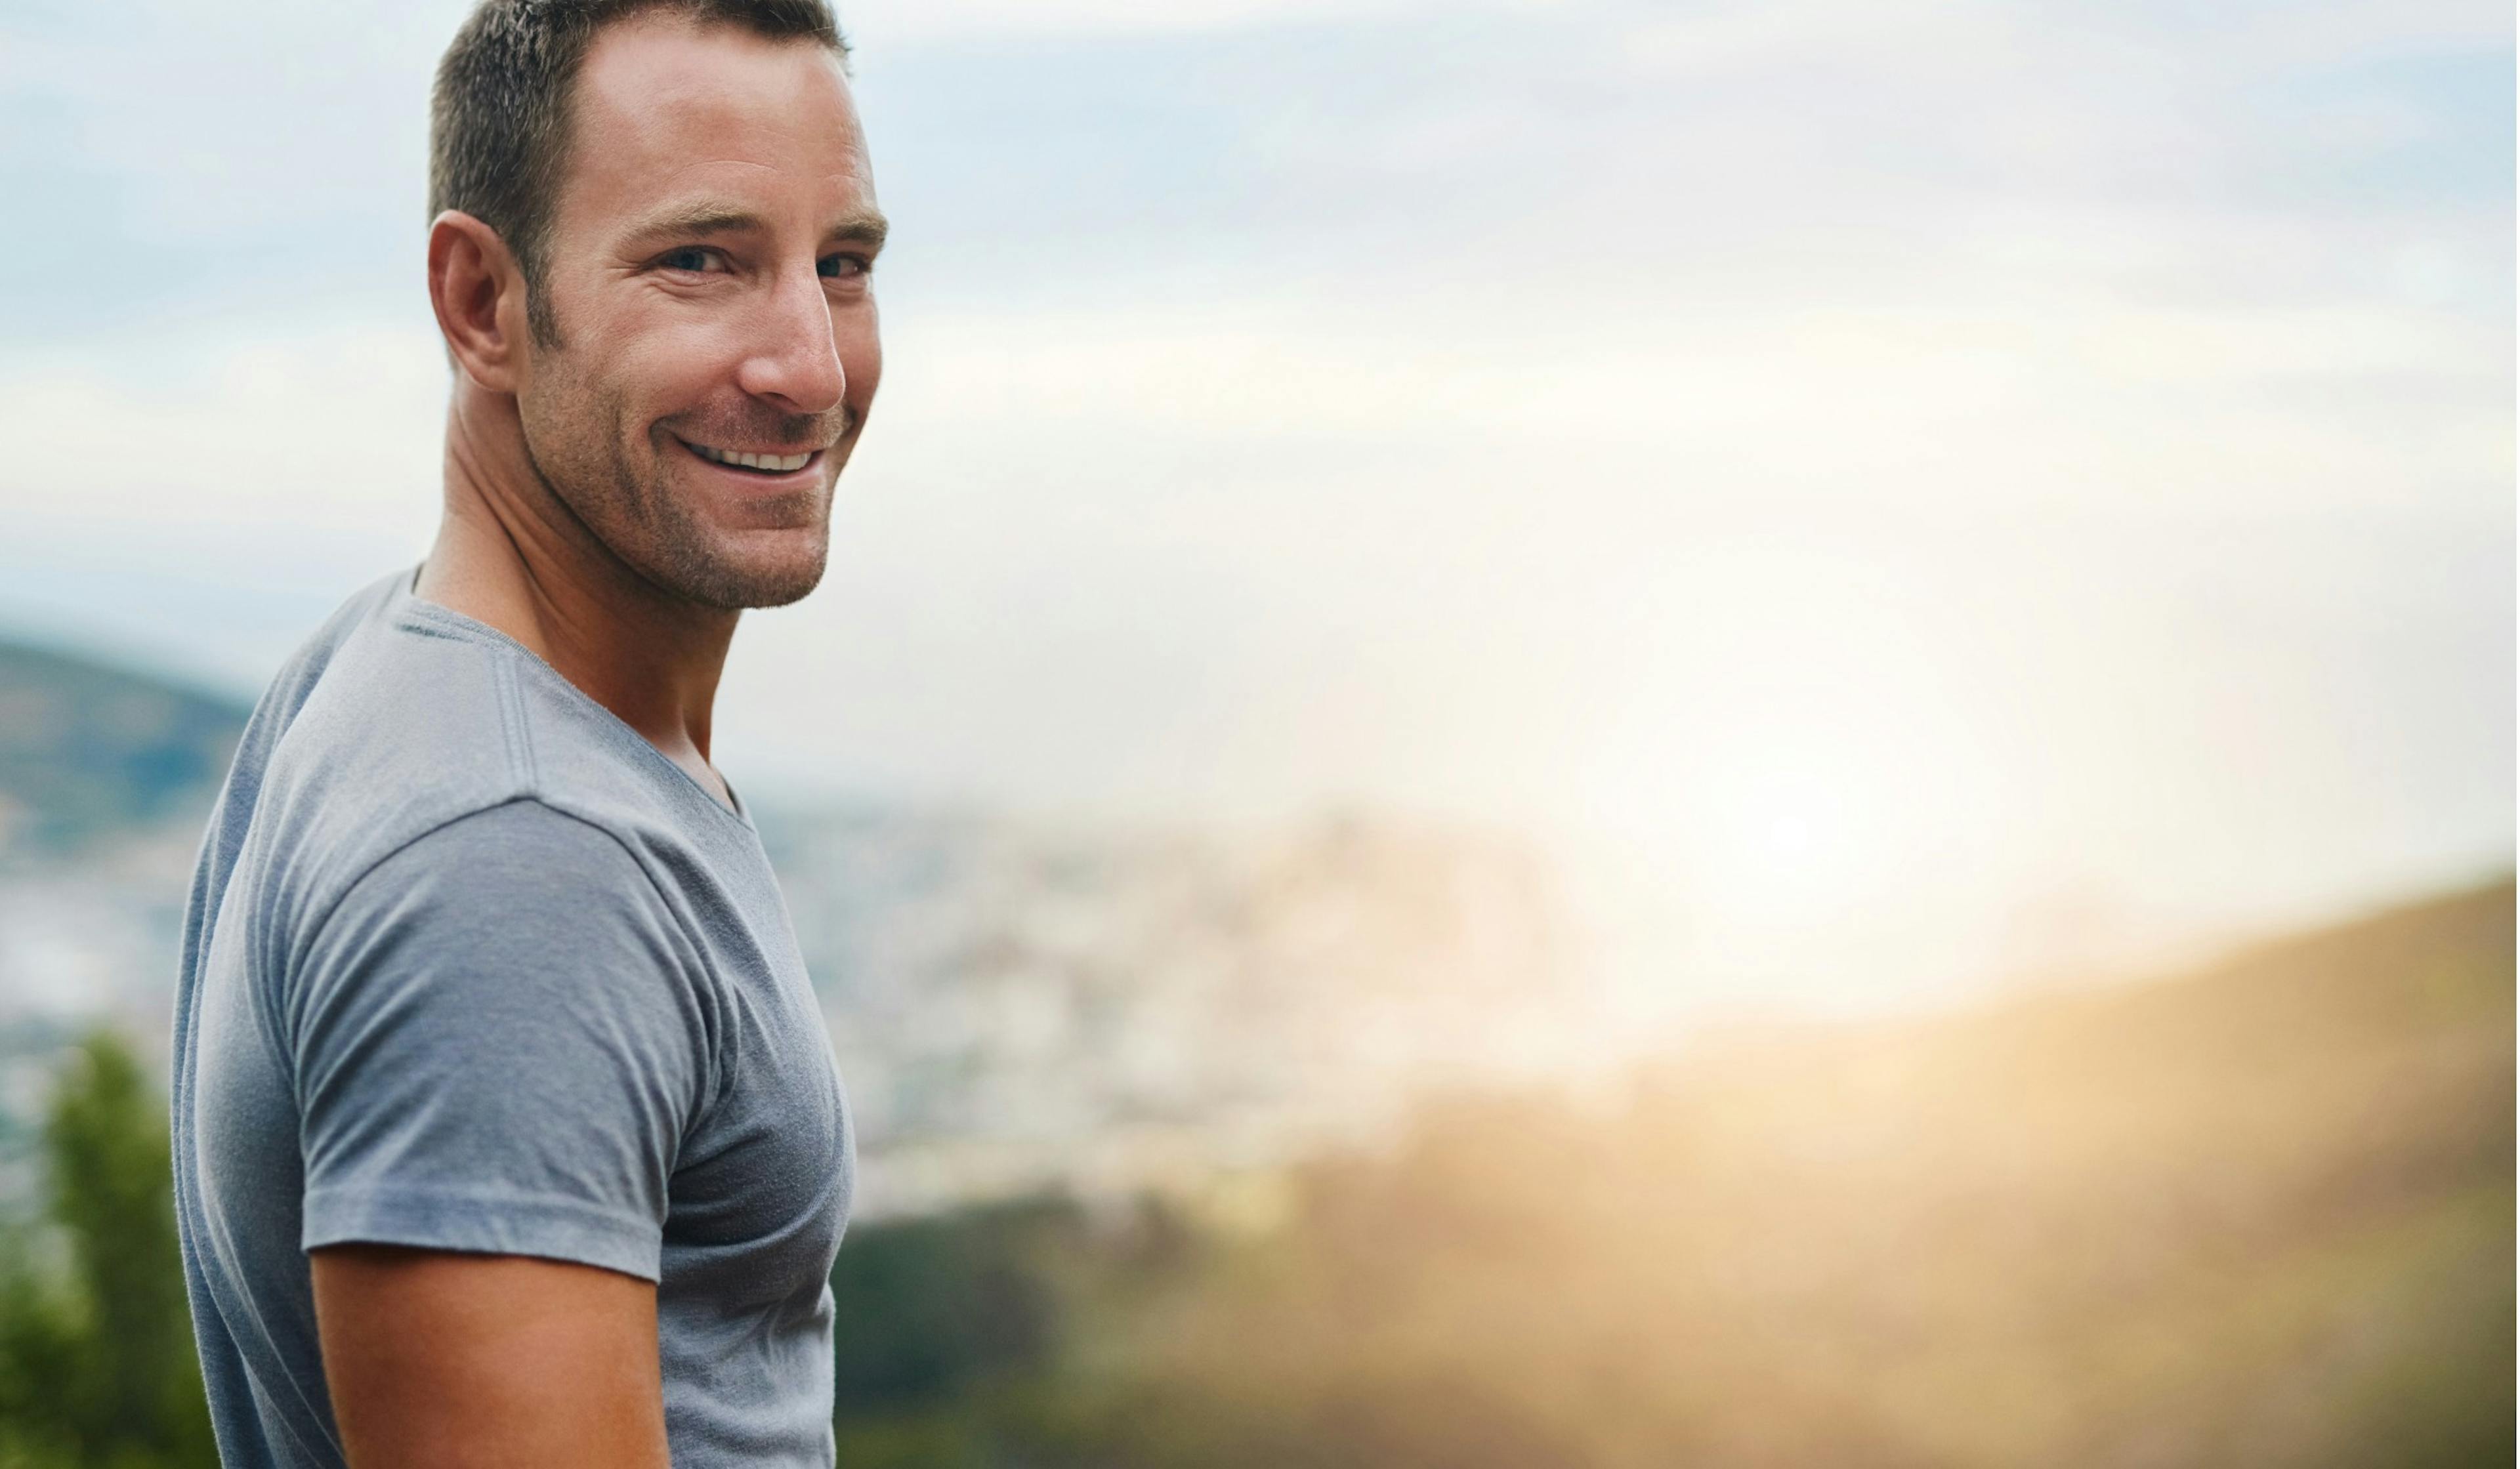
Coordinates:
column 329, row 428
column 879, row 23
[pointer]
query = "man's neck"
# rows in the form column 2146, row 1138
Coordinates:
column 508, row 555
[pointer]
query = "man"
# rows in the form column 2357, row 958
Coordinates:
column 507, row 1132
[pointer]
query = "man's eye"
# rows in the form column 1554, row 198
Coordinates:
column 846, row 267
column 690, row 257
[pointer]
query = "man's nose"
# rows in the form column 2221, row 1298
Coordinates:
column 794, row 362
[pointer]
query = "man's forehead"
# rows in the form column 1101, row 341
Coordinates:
column 667, row 113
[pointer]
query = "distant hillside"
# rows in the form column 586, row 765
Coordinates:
column 88, row 750
column 2256, row 1215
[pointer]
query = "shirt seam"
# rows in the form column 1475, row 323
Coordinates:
column 557, row 1204
column 609, row 1228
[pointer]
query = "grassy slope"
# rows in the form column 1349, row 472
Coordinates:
column 2257, row 1216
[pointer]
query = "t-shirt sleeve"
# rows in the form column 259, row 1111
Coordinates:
column 500, row 1036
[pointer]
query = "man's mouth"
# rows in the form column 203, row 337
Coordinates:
column 759, row 464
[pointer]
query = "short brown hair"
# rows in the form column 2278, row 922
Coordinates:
column 499, row 116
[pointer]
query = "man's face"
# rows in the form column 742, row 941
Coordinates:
column 706, row 272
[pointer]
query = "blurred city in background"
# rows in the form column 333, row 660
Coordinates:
column 1543, row 734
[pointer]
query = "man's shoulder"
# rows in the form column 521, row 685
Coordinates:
column 399, row 724
column 396, row 731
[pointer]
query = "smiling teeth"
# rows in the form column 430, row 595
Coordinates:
column 776, row 463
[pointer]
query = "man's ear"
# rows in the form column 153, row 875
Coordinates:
column 479, row 294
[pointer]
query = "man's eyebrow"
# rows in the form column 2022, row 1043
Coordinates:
column 867, row 227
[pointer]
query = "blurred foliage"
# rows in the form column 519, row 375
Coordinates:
column 947, row 1305
column 97, row 1368
column 2259, row 1216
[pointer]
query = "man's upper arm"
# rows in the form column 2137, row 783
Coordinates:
column 453, row 1361
column 500, row 1037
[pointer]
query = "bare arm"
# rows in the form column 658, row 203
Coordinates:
column 458, row 1361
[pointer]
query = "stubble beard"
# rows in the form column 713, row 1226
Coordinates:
column 631, row 508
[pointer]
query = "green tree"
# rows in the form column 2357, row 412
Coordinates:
column 97, row 1366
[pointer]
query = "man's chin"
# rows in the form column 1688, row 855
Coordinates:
column 731, row 580
column 779, row 594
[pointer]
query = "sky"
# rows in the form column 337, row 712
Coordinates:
column 1894, row 496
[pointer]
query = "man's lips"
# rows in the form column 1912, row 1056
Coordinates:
column 775, row 461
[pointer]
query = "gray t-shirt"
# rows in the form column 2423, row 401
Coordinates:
column 469, row 964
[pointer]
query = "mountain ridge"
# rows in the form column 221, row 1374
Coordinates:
column 92, row 749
